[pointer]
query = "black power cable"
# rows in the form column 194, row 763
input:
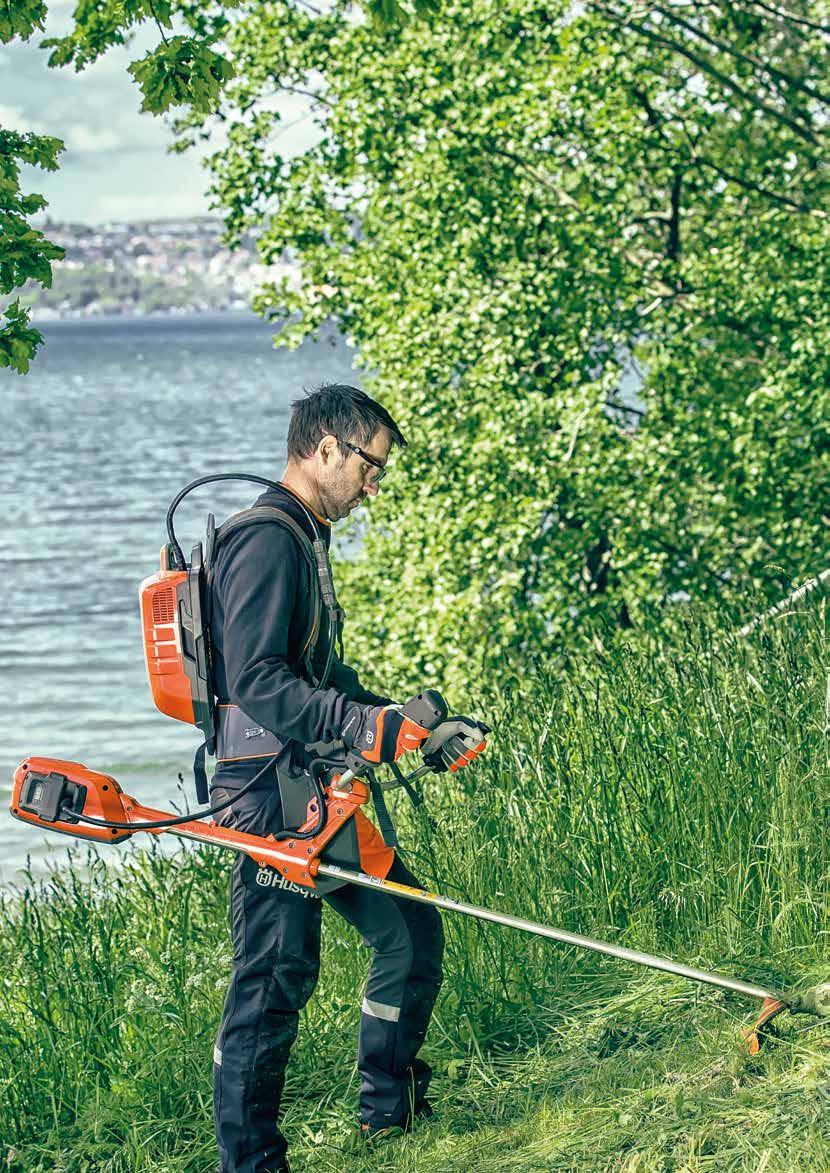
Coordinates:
column 177, row 559
column 316, row 769
column 219, row 476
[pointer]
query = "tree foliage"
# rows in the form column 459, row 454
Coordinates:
column 25, row 253
column 511, row 204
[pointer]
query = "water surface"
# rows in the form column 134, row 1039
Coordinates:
column 114, row 417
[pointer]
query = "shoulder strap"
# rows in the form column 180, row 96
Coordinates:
column 259, row 513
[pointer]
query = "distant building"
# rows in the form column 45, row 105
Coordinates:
column 173, row 266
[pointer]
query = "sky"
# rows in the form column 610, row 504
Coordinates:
column 116, row 165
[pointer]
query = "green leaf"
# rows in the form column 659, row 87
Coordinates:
column 181, row 72
column 21, row 18
column 18, row 343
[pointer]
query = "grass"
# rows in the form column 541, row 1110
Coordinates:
column 673, row 800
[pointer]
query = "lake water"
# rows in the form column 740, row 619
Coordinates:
column 114, row 417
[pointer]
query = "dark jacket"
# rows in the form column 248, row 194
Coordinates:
column 260, row 619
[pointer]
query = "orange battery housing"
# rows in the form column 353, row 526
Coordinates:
column 176, row 649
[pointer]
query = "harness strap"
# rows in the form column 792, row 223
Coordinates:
column 200, row 776
column 385, row 824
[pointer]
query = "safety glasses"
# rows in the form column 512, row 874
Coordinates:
column 380, row 474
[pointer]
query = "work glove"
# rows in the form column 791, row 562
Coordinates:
column 454, row 743
column 381, row 733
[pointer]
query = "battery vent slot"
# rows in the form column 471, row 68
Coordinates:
column 164, row 606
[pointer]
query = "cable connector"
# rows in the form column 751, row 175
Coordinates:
column 53, row 798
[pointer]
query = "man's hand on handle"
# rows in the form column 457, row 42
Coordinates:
column 380, row 734
column 454, row 743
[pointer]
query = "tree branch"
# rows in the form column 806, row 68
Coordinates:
column 624, row 407
column 672, row 16
column 673, row 242
column 774, row 197
column 564, row 198
column 785, row 14
column 710, row 70
column 650, row 217
column 656, row 120
column 306, row 94
column 158, row 23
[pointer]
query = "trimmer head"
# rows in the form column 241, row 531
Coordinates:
column 813, row 1001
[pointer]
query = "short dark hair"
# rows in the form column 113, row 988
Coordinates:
column 336, row 409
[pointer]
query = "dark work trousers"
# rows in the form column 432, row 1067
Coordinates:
column 276, row 955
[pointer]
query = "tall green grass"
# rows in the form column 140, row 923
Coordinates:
column 675, row 799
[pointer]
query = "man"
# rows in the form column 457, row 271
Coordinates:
column 272, row 702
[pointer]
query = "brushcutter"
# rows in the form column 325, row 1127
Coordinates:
column 68, row 797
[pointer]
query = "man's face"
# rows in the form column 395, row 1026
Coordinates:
column 345, row 482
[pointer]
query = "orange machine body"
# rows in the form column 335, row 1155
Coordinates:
column 79, row 791
column 98, row 795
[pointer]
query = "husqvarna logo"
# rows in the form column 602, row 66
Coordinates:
column 268, row 878
column 370, row 737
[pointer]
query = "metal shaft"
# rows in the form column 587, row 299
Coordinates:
column 517, row 922
column 779, row 608
column 422, row 896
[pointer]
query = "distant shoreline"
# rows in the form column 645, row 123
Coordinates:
column 178, row 268
column 240, row 316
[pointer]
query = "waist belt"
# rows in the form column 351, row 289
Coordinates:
column 239, row 738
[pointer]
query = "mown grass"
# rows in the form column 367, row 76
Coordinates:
column 672, row 799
